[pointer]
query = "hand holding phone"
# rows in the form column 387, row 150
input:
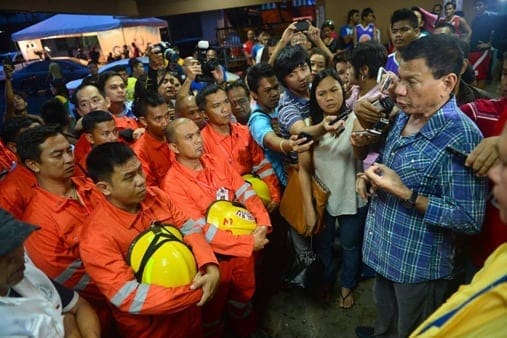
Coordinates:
column 384, row 79
column 308, row 137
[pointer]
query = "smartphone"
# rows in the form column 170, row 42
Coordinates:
column 342, row 116
column 302, row 25
column 460, row 153
column 308, row 136
column 384, row 79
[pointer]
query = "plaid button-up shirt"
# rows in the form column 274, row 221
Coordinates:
column 401, row 243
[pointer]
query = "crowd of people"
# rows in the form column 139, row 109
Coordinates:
column 403, row 142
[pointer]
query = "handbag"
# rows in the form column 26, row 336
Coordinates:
column 291, row 205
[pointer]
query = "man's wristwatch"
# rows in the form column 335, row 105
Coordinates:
column 410, row 203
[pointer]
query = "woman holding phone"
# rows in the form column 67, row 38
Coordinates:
column 332, row 160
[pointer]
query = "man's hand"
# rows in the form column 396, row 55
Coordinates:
column 367, row 114
column 272, row 206
column 332, row 126
column 288, row 33
column 299, row 145
column 260, row 239
column 313, row 34
column 484, row 156
column 208, row 282
column 8, row 70
column 138, row 133
column 192, row 70
column 384, row 178
column 362, row 187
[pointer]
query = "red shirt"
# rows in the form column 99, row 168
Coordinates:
column 243, row 153
column 55, row 247
column 193, row 191
column 7, row 157
column 156, row 158
column 105, row 243
column 17, row 190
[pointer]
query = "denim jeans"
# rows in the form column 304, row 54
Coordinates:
column 351, row 231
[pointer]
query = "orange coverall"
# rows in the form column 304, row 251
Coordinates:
column 142, row 310
column 192, row 192
column 17, row 190
column 155, row 156
column 7, row 157
column 55, row 247
column 243, row 153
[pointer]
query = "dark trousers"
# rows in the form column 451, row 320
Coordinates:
column 402, row 307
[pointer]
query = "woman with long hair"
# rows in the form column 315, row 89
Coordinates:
column 332, row 161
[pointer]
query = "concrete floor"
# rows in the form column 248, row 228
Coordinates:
column 295, row 314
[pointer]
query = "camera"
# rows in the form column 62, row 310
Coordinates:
column 385, row 105
column 170, row 52
column 207, row 66
column 302, row 25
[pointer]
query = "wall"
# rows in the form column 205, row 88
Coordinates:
column 337, row 10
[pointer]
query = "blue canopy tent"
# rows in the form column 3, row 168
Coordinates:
column 111, row 31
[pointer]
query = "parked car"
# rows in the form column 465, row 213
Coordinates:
column 72, row 85
column 14, row 58
column 34, row 76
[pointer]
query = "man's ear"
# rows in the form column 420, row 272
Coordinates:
column 104, row 187
column 89, row 138
column 464, row 67
column 174, row 147
column 450, row 81
column 12, row 147
column 142, row 119
column 254, row 95
column 108, row 102
column 32, row 165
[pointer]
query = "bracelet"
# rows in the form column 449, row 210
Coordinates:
column 281, row 147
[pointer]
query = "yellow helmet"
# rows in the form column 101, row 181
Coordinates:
column 230, row 216
column 159, row 256
column 260, row 187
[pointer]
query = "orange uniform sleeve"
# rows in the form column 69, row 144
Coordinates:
column 106, row 266
column 192, row 234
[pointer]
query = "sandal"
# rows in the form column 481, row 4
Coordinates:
column 343, row 299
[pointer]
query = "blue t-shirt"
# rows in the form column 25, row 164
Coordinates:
column 260, row 123
column 392, row 64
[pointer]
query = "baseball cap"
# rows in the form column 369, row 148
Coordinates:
column 13, row 232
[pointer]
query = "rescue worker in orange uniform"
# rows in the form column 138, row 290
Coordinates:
column 193, row 182
column 152, row 148
column 7, row 158
column 17, row 186
column 233, row 141
column 87, row 98
column 98, row 127
column 129, row 208
column 60, row 205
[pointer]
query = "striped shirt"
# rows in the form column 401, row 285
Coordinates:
column 402, row 244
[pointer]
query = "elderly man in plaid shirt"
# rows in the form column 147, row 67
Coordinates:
column 421, row 192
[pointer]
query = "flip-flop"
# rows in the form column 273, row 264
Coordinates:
column 343, row 298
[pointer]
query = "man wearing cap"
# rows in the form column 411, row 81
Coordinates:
column 30, row 303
